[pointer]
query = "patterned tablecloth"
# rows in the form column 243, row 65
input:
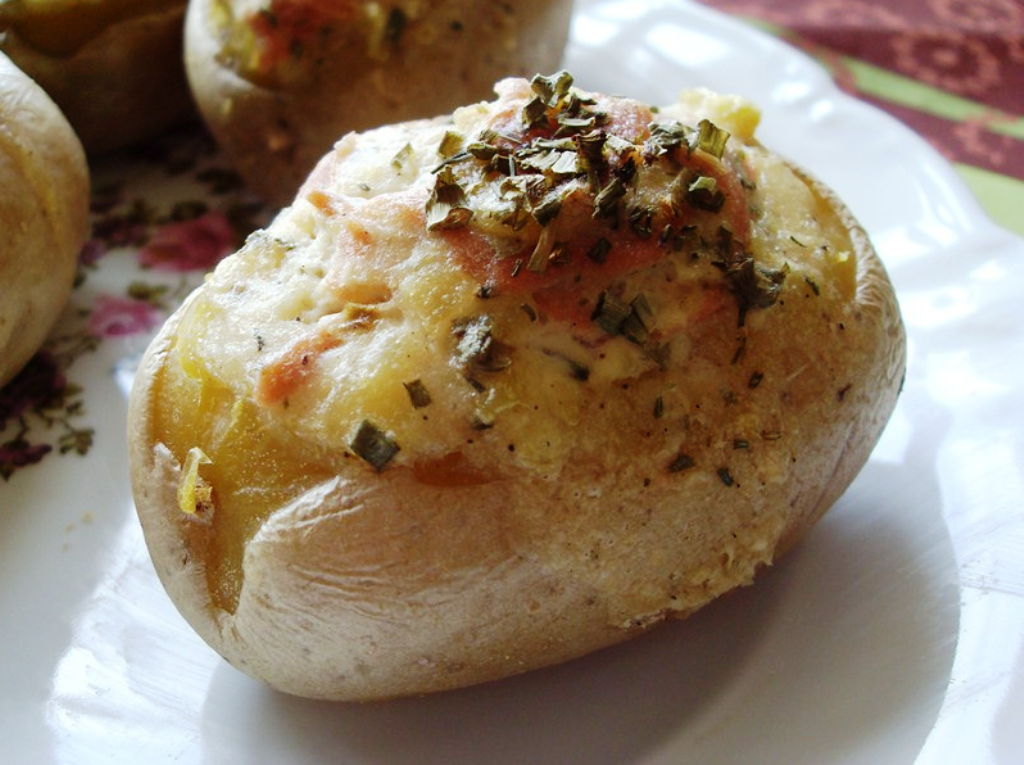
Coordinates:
column 953, row 70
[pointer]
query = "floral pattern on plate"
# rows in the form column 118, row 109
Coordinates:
column 162, row 216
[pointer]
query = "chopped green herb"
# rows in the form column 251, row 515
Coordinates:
column 395, row 26
column 711, row 138
column 547, row 208
column 568, row 125
column 668, row 234
column 607, row 200
column 446, row 207
column 704, row 194
column 638, row 324
column 483, row 151
column 677, row 239
column 724, row 239
column 755, row 380
column 754, row 285
column 539, row 258
column 399, row 160
column 659, row 353
column 609, row 314
column 373, row 445
column 640, row 218
column 552, row 89
column 451, row 143
column 559, row 254
column 503, row 163
column 725, row 476
column 666, row 136
column 659, row 408
column 681, row 463
column 453, row 159
column 626, row 171
column 476, row 348
column 514, row 214
column 535, row 113
column 418, row 393
column 577, row 102
column 566, row 163
column 599, row 252
column 634, row 321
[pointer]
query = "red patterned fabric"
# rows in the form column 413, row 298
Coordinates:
column 973, row 49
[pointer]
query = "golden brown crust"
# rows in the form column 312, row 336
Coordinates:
column 43, row 215
column 124, row 84
column 275, row 133
column 677, row 482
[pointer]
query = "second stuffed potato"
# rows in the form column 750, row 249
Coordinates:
column 279, row 80
column 114, row 68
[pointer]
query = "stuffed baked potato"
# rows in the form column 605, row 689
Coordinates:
column 114, row 67
column 503, row 388
column 279, row 80
column 44, row 215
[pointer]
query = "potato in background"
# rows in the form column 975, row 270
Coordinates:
column 279, row 81
column 113, row 67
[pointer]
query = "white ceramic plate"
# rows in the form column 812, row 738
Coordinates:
column 893, row 635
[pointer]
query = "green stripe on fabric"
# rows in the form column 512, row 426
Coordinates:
column 898, row 89
column 998, row 194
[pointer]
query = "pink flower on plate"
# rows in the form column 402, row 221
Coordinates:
column 196, row 244
column 114, row 316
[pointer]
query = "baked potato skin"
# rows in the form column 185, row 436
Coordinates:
column 115, row 69
column 44, row 209
column 591, row 508
column 355, row 73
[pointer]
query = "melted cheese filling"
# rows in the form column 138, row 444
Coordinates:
column 322, row 327
column 324, row 319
